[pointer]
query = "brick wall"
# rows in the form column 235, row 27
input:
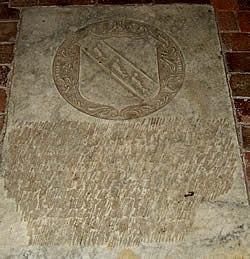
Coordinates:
column 233, row 19
column 8, row 29
column 22, row 3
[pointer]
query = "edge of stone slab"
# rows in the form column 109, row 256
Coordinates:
column 27, row 249
column 119, row 253
column 112, row 5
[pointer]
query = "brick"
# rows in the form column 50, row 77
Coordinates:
column 66, row 2
column 3, row 100
column 226, row 21
column 2, row 117
column 2, row 120
column 181, row 1
column 246, row 138
column 4, row 71
column 236, row 41
column 240, row 85
column 242, row 108
column 244, row 4
column 55, row 2
column 124, row 1
column 244, row 21
column 247, row 161
column 8, row 31
column 225, row 5
column 23, row 3
column 238, row 62
column 6, row 53
column 84, row 2
column 8, row 13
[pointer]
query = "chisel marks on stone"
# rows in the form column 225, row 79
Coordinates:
column 120, row 184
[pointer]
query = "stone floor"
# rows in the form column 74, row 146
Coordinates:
column 121, row 140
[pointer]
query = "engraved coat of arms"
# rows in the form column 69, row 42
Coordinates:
column 118, row 69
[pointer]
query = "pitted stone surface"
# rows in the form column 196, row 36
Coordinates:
column 116, row 184
column 120, row 140
column 118, row 69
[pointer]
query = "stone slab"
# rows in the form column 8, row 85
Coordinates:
column 121, row 141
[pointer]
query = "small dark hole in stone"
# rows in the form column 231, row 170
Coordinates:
column 189, row 194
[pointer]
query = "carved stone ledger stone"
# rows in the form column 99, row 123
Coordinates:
column 121, row 141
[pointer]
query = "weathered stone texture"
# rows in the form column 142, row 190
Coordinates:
column 167, row 184
column 133, row 83
column 94, row 184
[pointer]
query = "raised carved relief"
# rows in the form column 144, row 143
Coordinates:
column 141, row 93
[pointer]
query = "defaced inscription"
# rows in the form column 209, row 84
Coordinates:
column 117, row 184
column 100, row 69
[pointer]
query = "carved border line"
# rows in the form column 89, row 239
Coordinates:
column 67, row 63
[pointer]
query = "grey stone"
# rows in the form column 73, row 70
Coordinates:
column 121, row 141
